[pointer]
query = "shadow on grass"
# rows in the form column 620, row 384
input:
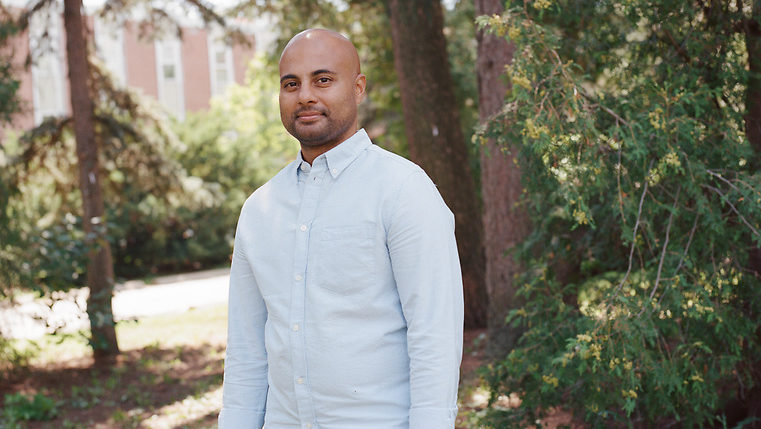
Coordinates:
column 170, row 385
column 209, row 421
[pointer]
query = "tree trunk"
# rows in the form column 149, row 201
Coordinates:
column 505, row 223
column 753, row 132
column 753, row 94
column 100, row 269
column 434, row 136
column 753, row 105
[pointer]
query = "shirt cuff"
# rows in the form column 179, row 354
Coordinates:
column 432, row 418
column 235, row 418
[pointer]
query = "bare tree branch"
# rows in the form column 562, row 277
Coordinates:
column 720, row 177
column 634, row 236
column 209, row 15
column 687, row 247
column 663, row 251
column 734, row 209
column 23, row 20
column 684, row 254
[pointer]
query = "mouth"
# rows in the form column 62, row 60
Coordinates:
column 309, row 115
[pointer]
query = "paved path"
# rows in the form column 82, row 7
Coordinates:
column 131, row 300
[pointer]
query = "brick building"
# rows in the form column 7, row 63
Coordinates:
column 182, row 74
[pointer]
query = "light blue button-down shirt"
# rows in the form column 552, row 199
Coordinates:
column 346, row 306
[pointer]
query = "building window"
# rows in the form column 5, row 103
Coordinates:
column 221, row 70
column 169, row 71
column 46, row 45
column 109, row 46
column 170, row 81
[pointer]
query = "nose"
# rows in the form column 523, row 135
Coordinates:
column 306, row 95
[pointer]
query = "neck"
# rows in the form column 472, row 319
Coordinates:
column 310, row 152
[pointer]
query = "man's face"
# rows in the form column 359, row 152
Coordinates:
column 320, row 87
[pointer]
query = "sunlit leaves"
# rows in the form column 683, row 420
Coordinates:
column 630, row 120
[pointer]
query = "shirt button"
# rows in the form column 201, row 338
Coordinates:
column 295, row 326
column 298, row 277
column 300, row 380
column 334, row 171
column 308, row 426
column 303, row 227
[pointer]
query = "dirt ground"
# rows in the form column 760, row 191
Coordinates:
column 175, row 386
column 138, row 391
column 169, row 374
column 178, row 386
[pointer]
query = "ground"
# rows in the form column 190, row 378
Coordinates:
column 169, row 375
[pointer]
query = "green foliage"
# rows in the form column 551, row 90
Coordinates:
column 460, row 32
column 173, row 190
column 366, row 24
column 227, row 152
column 9, row 84
column 19, row 407
column 219, row 157
column 173, row 195
column 169, row 374
column 9, row 104
column 45, row 245
column 642, row 302
column 8, row 88
column 12, row 357
column 240, row 142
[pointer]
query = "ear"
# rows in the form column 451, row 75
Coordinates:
column 360, row 83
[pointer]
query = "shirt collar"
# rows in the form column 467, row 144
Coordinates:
column 339, row 157
column 301, row 165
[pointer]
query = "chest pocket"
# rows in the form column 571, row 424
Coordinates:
column 344, row 258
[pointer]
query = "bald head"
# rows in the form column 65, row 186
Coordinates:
column 320, row 88
column 329, row 40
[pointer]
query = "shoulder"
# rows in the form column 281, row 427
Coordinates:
column 409, row 189
column 397, row 169
column 400, row 171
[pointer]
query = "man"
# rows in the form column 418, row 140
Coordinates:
column 346, row 303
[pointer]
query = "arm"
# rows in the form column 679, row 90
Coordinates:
column 245, row 383
column 426, row 268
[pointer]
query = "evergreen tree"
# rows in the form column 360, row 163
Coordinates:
column 107, row 123
column 505, row 221
column 435, row 137
column 633, row 125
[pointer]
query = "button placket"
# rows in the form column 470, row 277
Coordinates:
column 310, row 192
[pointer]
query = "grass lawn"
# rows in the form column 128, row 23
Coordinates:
column 169, row 375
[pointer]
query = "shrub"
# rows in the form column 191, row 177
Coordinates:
column 642, row 295
column 19, row 407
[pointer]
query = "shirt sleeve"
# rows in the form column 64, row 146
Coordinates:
column 245, row 385
column 426, row 268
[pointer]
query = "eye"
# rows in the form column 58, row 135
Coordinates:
column 324, row 80
column 290, row 85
